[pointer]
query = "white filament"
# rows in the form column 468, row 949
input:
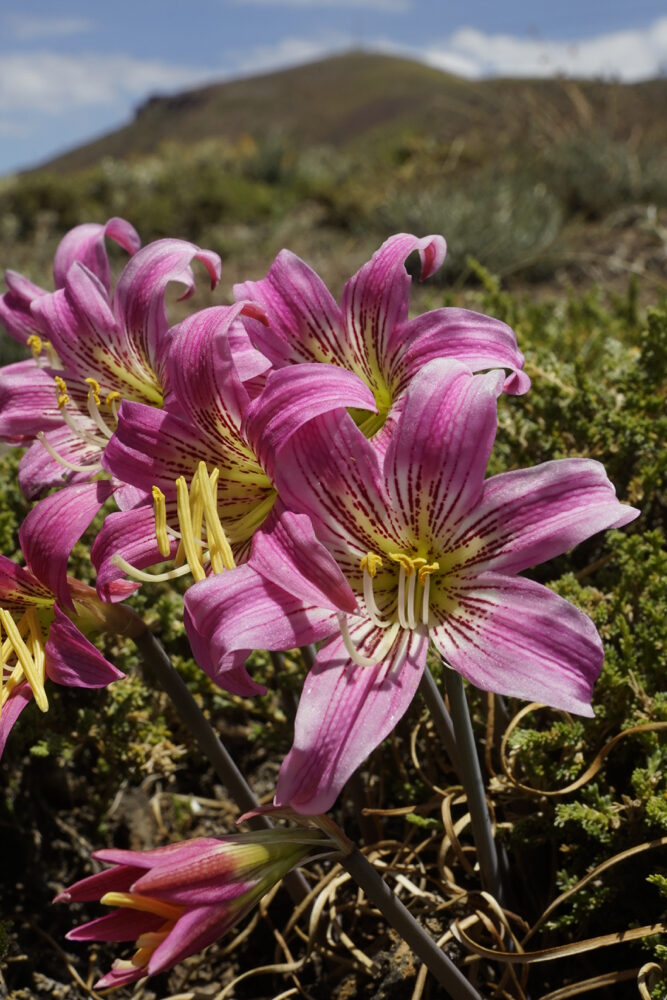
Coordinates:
column 425, row 597
column 374, row 612
column 142, row 577
column 381, row 651
column 96, row 416
column 94, row 467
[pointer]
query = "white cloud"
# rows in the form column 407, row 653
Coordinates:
column 288, row 52
column 629, row 55
column 388, row 6
column 51, row 83
column 28, row 28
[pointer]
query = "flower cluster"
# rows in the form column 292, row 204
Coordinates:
column 317, row 472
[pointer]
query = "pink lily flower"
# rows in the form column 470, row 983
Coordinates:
column 175, row 900
column 28, row 400
column 414, row 547
column 370, row 333
column 42, row 640
column 208, row 431
column 101, row 349
column 85, row 244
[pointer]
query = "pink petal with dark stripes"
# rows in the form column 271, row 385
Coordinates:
column 528, row 516
column 375, row 300
column 52, row 529
column 86, row 243
column 436, row 460
column 292, row 397
column 73, row 661
column 515, row 637
column 345, row 711
column 480, row 342
column 305, row 323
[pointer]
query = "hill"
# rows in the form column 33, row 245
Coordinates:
column 548, row 183
column 361, row 98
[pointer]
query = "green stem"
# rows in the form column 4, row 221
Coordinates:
column 473, row 784
column 442, row 720
column 156, row 660
column 400, row 918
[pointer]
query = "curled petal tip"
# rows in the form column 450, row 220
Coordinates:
column 432, row 251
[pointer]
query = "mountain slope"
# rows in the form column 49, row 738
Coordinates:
column 359, row 98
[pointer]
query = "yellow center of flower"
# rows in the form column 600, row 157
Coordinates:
column 22, row 656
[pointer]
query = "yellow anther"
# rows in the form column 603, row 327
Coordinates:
column 146, row 904
column 63, row 397
column 185, row 520
column 160, row 514
column 371, row 562
column 112, row 397
column 34, row 344
column 33, row 669
column 427, row 570
column 219, row 547
column 94, row 389
column 409, row 564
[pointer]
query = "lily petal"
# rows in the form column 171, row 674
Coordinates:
column 195, row 930
column 345, row 711
column 138, row 300
column 38, row 470
column 203, row 373
column 331, row 472
column 306, row 324
column 293, row 396
column 19, row 587
column 376, row 298
column 288, row 553
column 153, row 447
column 52, row 529
column 436, row 475
column 87, row 890
column 28, row 402
column 119, row 925
column 17, row 701
column 15, row 307
column 85, row 243
column 481, row 342
column 515, row 637
column 240, row 610
column 528, row 516
column 131, row 535
column 72, row 660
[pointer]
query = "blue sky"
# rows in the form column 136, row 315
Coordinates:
column 72, row 71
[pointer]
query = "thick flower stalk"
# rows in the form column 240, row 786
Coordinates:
column 405, row 549
column 195, row 466
column 175, row 900
column 370, row 333
column 95, row 350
